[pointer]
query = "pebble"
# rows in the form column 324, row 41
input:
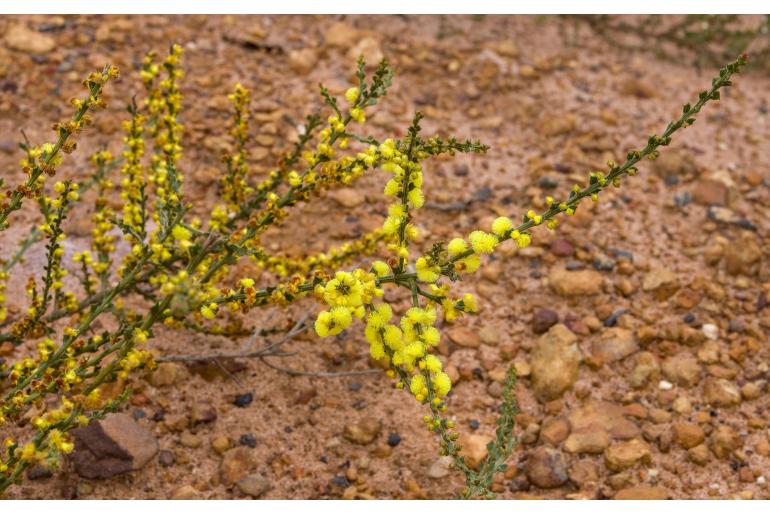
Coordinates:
column 185, row 493
column 254, row 485
column 364, row 432
column 244, row 399
column 742, row 254
column 723, row 441
column 646, row 368
column 220, row 444
column 728, row 216
column 662, row 283
column 302, row 60
column 235, row 465
column 710, row 193
column 168, row 374
column 562, row 248
column 348, row 197
column 394, row 439
column 554, row 431
column 20, row 37
column 203, row 413
column 555, row 363
column 665, row 385
column 440, row 467
column 464, row 337
column 546, row 468
column 614, row 344
column 682, row 369
column 710, row 331
column 699, row 454
column 474, row 449
column 190, row 440
column 642, row 493
column 473, row 424
column 575, row 283
column 589, row 442
column 721, row 392
column 166, row 458
column 543, row 319
column 248, row 439
column 688, row 435
column 622, row 455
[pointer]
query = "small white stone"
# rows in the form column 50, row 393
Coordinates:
column 665, row 385
column 710, row 331
column 761, row 480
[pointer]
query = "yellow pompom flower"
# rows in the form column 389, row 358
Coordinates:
column 442, row 383
column 482, row 242
column 469, row 301
column 524, row 240
column 380, row 316
column 426, row 271
column 380, row 268
column 351, row 95
column 417, row 385
column 502, row 225
column 471, row 263
column 457, row 246
column 432, row 363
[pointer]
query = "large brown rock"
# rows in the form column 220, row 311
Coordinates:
column 117, row 444
column 555, row 363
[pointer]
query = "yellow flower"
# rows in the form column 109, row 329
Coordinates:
column 524, row 240
column 247, row 282
column 209, row 312
column 457, row 246
column 417, row 385
column 442, row 383
column 426, row 271
column 180, row 233
column 358, row 115
column 351, row 95
column 471, row 263
column 432, row 363
column 140, row 336
column 502, row 225
column 380, row 316
column 380, row 268
column 482, row 242
column 469, row 301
